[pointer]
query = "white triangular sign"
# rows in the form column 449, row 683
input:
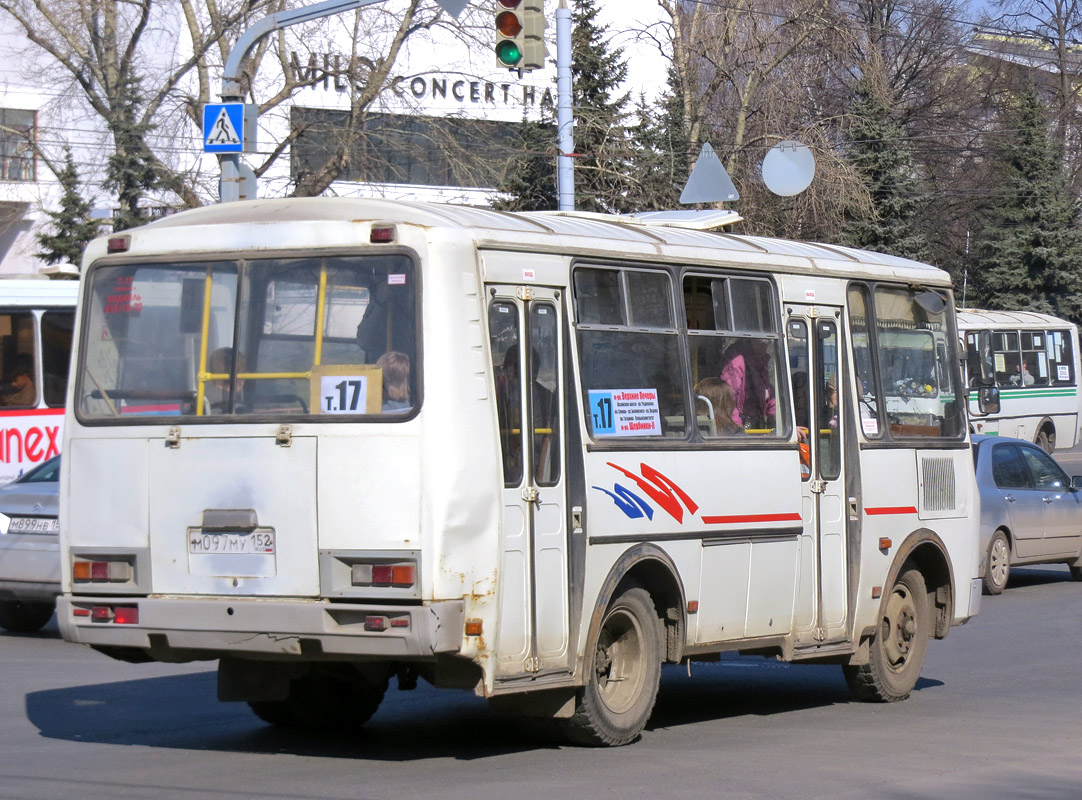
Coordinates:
column 223, row 131
column 709, row 182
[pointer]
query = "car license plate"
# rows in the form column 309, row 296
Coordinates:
column 34, row 525
column 254, row 543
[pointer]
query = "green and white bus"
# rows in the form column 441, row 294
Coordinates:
column 1035, row 359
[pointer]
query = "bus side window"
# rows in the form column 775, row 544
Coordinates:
column 629, row 348
column 18, row 372
column 56, row 330
column 733, row 336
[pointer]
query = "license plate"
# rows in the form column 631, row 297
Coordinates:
column 34, row 525
column 255, row 543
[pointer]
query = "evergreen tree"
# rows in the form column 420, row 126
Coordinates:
column 1029, row 255
column 878, row 150
column 71, row 226
column 129, row 170
column 597, row 70
column 529, row 182
column 659, row 163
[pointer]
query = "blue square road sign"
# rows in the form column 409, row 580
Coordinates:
column 229, row 127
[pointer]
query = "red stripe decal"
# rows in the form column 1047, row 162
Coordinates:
column 32, row 412
column 872, row 512
column 751, row 518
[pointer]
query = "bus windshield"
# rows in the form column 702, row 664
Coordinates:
column 274, row 337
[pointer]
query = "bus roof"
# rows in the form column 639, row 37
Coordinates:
column 983, row 318
column 546, row 231
column 32, row 292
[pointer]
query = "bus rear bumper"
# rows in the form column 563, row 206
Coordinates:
column 193, row 629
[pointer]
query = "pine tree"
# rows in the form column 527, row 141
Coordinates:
column 1029, row 255
column 71, row 226
column 529, row 182
column 130, row 171
column 659, row 163
column 597, row 70
column 878, row 150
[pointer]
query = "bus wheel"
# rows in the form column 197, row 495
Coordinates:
column 623, row 673
column 998, row 564
column 1046, row 439
column 1076, row 573
column 24, row 617
column 898, row 646
column 324, row 701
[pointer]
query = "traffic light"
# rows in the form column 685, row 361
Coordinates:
column 520, row 34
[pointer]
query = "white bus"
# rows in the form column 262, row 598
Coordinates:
column 334, row 441
column 36, row 323
column 1035, row 360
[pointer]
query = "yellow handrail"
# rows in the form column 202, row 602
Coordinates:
column 200, row 393
column 320, row 301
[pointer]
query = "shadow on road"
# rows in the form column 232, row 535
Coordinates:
column 1038, row 576
column 182, row 711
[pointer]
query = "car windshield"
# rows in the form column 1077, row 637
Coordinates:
column 46, row 472
column 278, row 337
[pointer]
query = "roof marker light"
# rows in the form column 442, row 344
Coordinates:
column 119, row 244
column 383, row 234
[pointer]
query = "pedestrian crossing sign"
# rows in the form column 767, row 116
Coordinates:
column 229, row 127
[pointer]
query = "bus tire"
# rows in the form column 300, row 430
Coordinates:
column 20, row 617
column 623, row 672
column 324, row 701
column 1076, row 572
column 1046, row 439
column 997, row 565
column 896, row 652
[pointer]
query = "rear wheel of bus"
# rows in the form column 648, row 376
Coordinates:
column 336, row 700
column 623, row 674
column 898, row 646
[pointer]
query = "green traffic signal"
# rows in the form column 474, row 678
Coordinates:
column 508, row 53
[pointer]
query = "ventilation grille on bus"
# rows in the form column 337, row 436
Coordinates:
column 939, row 491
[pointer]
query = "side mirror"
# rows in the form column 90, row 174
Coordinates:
column 988, row 399
column 1076, row 483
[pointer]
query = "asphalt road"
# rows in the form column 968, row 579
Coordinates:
column 996, row 714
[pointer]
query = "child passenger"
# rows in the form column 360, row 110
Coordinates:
column 396, row 381
column 720, row 397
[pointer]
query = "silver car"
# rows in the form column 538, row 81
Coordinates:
column 1031, row 511
column 30, row 548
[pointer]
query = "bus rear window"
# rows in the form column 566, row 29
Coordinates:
column 324, row 336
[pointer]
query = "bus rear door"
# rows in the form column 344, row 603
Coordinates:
column 524, row 330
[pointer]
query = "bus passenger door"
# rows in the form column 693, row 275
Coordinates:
column 819, row 404
column 528, row 358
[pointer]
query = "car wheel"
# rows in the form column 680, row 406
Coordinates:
column 1076, row 573
column 624, row 672
column 898, row 646
column 21, row 617
column 998, row 564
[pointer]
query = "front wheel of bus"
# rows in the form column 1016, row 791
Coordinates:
column 898, row 645
column 623, row 673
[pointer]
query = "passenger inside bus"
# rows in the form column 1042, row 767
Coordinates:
column 714, row 400
column 746, row 368
column 396, row 381
column 18, row 386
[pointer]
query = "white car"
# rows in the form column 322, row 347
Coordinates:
column 30, row 548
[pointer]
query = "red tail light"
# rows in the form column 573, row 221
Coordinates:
column 126, row 615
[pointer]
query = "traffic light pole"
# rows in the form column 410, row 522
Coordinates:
column 231, row 88
column 565, row 120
